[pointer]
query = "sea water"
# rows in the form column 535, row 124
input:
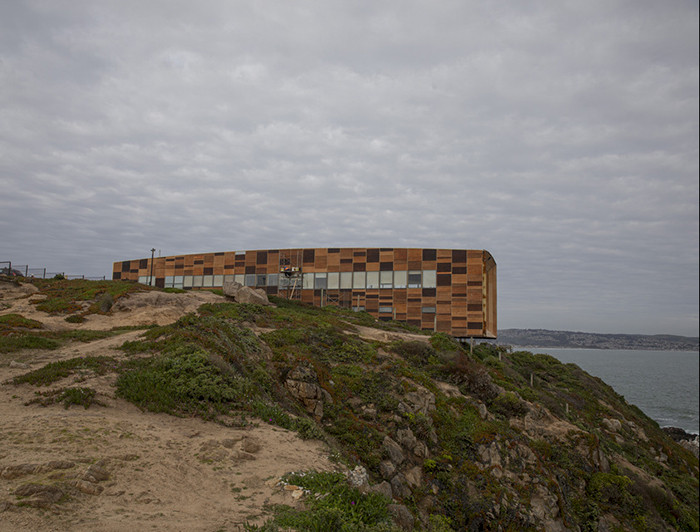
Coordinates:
column 663, row 384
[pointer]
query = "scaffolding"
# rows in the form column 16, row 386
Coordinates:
column 291, row 275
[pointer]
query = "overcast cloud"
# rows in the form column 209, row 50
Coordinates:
column 562, row 136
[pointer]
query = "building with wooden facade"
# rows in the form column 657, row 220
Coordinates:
column 446, row 290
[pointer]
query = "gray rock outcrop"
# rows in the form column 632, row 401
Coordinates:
column 245, row 294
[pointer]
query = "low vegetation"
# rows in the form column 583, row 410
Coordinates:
column 64, row 296
column 482, row 439
column 333, row 505
column 80, row 396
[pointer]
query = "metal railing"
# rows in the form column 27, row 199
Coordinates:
column 23, row 270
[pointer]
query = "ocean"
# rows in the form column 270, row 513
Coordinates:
column 663, row 384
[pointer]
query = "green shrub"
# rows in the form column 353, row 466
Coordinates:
column 444, row 342
column 508, row 405
column 82, row 396
column 14, row 321
column 415, row 352
column 334, row 505
column 182, row 382
column 55, row 371
column 10, row 344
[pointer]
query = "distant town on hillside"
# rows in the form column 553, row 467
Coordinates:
column 546, row 338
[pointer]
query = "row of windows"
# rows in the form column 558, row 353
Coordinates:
column 310, row 281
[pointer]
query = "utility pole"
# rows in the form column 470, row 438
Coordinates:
column 150, row 278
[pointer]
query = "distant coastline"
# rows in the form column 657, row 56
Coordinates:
column 572, row 339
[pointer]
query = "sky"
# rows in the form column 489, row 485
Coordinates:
column 561, row 136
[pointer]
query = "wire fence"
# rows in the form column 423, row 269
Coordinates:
column 24, row 270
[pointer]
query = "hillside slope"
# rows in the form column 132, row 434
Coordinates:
column 202, row 423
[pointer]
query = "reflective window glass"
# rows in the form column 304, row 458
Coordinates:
column 429, row 279
column 428, row 310
column 372, row 279
column 208, row 280
column 143, row 279
column 240, row 278
column 197, row 281
column 261, row 280
column 385, row 279
column 321, row 281
column 308, row 281
column 218, row 280
column 400, row 279
column 346, row 280
column 187, row 281
column 414, row 279
column 250, row 279
column 272, row 279
column 333, row 280
column 168, row 281
column 385, row 310
column 358, row 280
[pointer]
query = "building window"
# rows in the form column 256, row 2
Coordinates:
column 333, row 280
column 218, row 280
column 428, row 310
column 261, row 279
column 240, row 278
column 187, row 281
column 308, row 281
column 321, row 281
column 386, row 310
column 386, row 279
column 197, row 281
column 400, row 279
column 372, row 279
column 429, row 279
column 359, row 280
column 414, row 279
column 358, row 309
column 249, row 279
column 346, row 280
column 272, row 279
column 208, row 281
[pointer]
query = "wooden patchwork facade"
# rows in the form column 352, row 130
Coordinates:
column 446, row 290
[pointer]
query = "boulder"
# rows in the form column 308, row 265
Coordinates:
column 387, row 469
column 406, row 438
column 393, row 451
column 399, row 486
column 383, row 488
column 358, row 478
column 414, row 477
column 613, row 425
column 302, row 383
column 245, row 294
column 402, row 516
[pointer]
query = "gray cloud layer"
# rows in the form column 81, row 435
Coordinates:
column 561, row 136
